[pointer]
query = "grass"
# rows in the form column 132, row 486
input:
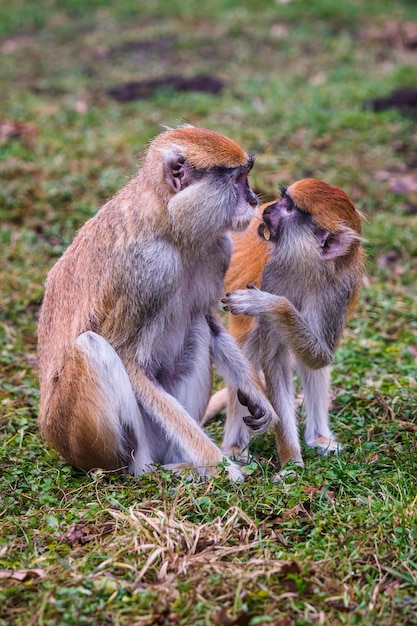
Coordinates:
column 337, row 545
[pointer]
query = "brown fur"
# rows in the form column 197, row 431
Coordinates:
column 128, row 322
column 305, row 283
column 206, row 150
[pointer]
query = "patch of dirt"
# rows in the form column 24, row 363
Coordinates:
column 404, row 99
column 143, row 89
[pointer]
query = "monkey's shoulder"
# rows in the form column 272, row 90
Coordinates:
column 202, row 276
column 151, row 259
column 250, row 256
column 217, row 255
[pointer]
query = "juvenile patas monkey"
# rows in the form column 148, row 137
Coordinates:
column 128, row 326
column 303, row 264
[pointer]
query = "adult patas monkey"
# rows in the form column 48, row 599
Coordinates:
column 128, row 329
column 303, row 259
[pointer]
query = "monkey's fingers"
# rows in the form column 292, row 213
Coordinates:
column 254, row 409
column 257, row 425
column 226, row 301
column 242, row 301
column 228, row 307
column 259, row 420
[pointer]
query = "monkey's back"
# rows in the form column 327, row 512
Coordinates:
column 250, row 255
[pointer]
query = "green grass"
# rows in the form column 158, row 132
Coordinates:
column 338, row 544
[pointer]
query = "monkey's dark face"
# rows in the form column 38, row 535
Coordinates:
column 298, row 237
column 282, row 216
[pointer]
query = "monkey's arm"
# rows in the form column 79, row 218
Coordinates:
column 232, row 364
column 178, row 425
column 310, row 349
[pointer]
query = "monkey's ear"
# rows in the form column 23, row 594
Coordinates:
column 337, row 244
column 178, row 173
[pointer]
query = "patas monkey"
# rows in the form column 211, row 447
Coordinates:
column 303, row 263
column 128, row 327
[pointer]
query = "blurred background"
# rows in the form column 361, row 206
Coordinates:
column 324, row 89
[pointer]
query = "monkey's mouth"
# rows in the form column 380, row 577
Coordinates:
column 269, row 227
column 266, row 231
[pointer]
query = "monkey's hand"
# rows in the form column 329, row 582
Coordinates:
column 250, row 301
column 238, row 372
column 309, row 345
column 259, row 419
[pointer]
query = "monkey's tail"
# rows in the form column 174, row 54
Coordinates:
column 217, row 403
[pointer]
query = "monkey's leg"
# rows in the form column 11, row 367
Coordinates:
column 191, row 388
column 316, row 386
column 239, row 373
column 93, row 418
column 183, row 441
column 236, row 433
column 280, row 389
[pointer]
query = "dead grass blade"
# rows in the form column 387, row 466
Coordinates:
column 178, row 547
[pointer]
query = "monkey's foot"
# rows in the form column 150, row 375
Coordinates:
column 186, row 471
column 289, row 474
column 239, row 454
column 325, row 445
column 234, row 472
column 197, row 474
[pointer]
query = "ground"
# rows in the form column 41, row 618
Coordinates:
column 308, row 87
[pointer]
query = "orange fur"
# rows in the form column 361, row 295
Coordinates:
column 250, row 255
column 205, row 148
column 306, row 279
column 128, row 324
column 330, row 206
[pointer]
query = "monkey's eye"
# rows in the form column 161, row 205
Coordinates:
column 240, row 176
column 289, row 206
column 287, row 201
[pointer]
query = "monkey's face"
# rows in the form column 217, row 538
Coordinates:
column 244, row 203
column 298, row 234
column 281, row 218
column 207, row 202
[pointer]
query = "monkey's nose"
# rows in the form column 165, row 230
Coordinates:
column 268, row 209
column 253, row 199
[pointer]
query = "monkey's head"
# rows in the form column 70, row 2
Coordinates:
column 312, row 215
column 204, row 176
